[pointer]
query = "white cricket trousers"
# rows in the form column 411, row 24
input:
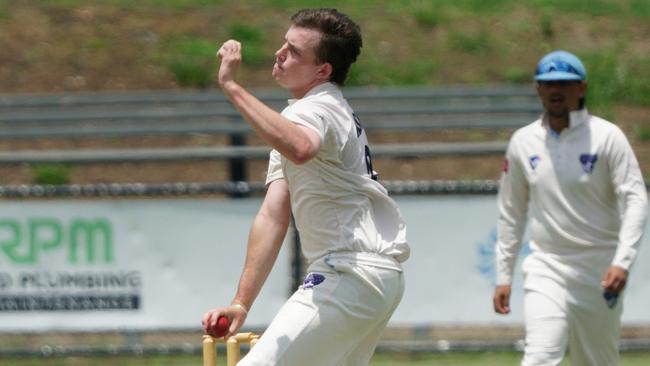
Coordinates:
column 563, row 310
column 336, row 317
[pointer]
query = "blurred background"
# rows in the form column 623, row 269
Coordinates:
column 128, row 182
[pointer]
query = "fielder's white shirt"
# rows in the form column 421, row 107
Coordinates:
column 586, row 192
column 336, row 204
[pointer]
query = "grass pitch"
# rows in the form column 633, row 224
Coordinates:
column 383, row 359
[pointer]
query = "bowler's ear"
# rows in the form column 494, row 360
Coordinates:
column 325, row 72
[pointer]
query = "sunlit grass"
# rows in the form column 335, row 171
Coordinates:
column 380, row 359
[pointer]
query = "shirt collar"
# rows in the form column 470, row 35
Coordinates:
column 327, row 86
column 577, row 118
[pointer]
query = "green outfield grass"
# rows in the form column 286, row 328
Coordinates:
column 171, row 43
column 438, row 359
column 483, row 359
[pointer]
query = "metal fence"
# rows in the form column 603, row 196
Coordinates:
column 107, row 115
column 175, row 112
column 227, row 188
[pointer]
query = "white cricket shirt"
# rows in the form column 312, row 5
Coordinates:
column 585, row 188
column 336, row 204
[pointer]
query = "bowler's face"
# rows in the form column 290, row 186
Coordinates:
column 295, row 65
column 561, row 97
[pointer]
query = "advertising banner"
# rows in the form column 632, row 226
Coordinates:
column 150, row 264
column 133, row 264
column 451, row 273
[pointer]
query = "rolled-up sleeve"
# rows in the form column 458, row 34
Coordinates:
column 309, row 114
column 274, row 171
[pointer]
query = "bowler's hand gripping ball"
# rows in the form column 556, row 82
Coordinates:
column 221, row 328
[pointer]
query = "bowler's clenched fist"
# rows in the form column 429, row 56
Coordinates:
column 230, row 56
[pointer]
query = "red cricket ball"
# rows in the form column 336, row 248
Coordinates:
column 221, row 328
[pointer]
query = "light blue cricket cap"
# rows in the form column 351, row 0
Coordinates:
column 560, row 65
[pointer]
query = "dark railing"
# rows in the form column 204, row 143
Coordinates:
column 115, row 115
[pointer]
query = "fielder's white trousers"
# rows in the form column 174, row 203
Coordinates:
column 334, row 322
column 564, row 307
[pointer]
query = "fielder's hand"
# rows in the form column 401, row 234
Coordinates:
column 230, row 56
column 614, row 280
column 501, row 299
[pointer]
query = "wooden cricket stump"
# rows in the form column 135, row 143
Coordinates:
column 233, row 350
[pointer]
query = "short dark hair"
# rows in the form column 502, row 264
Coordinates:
column 340, row 42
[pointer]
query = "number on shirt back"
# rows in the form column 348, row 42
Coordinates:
column 371, row 172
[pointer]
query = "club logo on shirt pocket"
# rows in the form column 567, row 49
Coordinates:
column 534, row 161
column 312, row 279
column 588, row 162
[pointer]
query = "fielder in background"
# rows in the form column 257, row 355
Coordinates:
column 320, row 170
column 588, row 206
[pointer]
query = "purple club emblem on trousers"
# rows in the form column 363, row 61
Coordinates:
column 312, row 280
column 588, row 161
